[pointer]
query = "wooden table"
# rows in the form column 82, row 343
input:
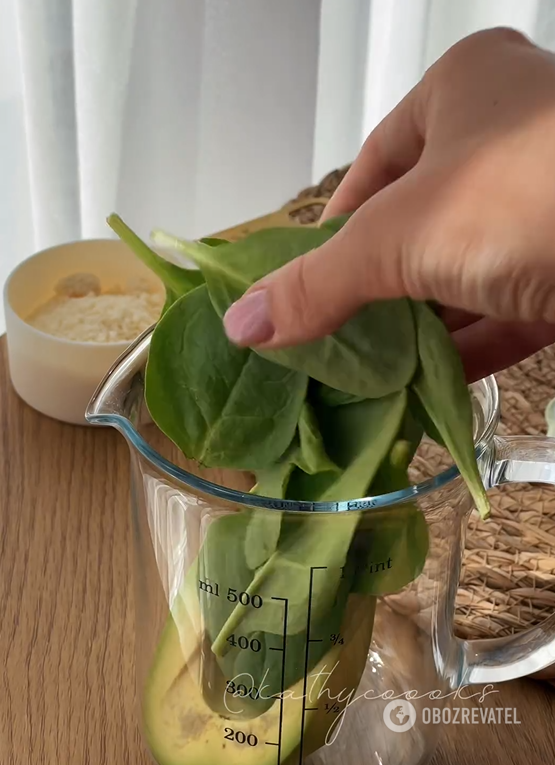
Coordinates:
column 66, row 622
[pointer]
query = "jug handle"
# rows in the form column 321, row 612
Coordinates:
column 514, row 459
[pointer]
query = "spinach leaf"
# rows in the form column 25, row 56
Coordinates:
column 177, row 281
column 193, row 275
column 392, row 544
column 312, row 456
column 332, row 397
column 306, row 457
column 213, row 241
column 411, row 430
column 320, row 540
column 440, row 385
column 422, row 416
column 358, row 438
column 303, row 487
column 390, row 550
column 262, row 537
column 223, row 559
column 221, row 563
column 392, row 473
column 223, row 406
column 171, row 298
column 229, row 533
column 235, row 266
column 337, row 223
column 372, row 355
column 296, row 654
column 272, row 481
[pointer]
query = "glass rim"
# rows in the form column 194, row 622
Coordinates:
column 133, row 360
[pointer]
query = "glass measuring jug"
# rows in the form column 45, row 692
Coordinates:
column 271, row 631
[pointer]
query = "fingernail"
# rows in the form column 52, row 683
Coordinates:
column 248, row 320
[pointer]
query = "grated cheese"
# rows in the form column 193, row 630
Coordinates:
column 80, row 312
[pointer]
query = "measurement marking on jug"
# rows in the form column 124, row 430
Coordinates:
column 306, row 656
column 335, row 708
column 240, row 737
column 244, row 643
column 244, row 598
column 210, row 588
column 242, row 691
column 277, row 743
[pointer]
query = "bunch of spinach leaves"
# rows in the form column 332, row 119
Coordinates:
column 336, row 419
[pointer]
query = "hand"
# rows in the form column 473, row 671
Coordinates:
column 454, row 200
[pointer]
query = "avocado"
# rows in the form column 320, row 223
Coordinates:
column 181, row 729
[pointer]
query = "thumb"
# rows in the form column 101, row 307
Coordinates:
column 316, row 293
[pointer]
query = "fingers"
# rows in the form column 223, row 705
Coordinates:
column 455, row 319
column 392, row 149
column 488, row 346
column 316, row 293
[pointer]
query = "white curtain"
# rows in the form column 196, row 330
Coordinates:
column 194, row 115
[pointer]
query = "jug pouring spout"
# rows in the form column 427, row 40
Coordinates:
column 117, row 400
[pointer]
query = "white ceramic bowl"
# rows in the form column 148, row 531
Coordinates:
column 53, row 375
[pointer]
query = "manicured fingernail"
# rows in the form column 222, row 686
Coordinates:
column 248, row 320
